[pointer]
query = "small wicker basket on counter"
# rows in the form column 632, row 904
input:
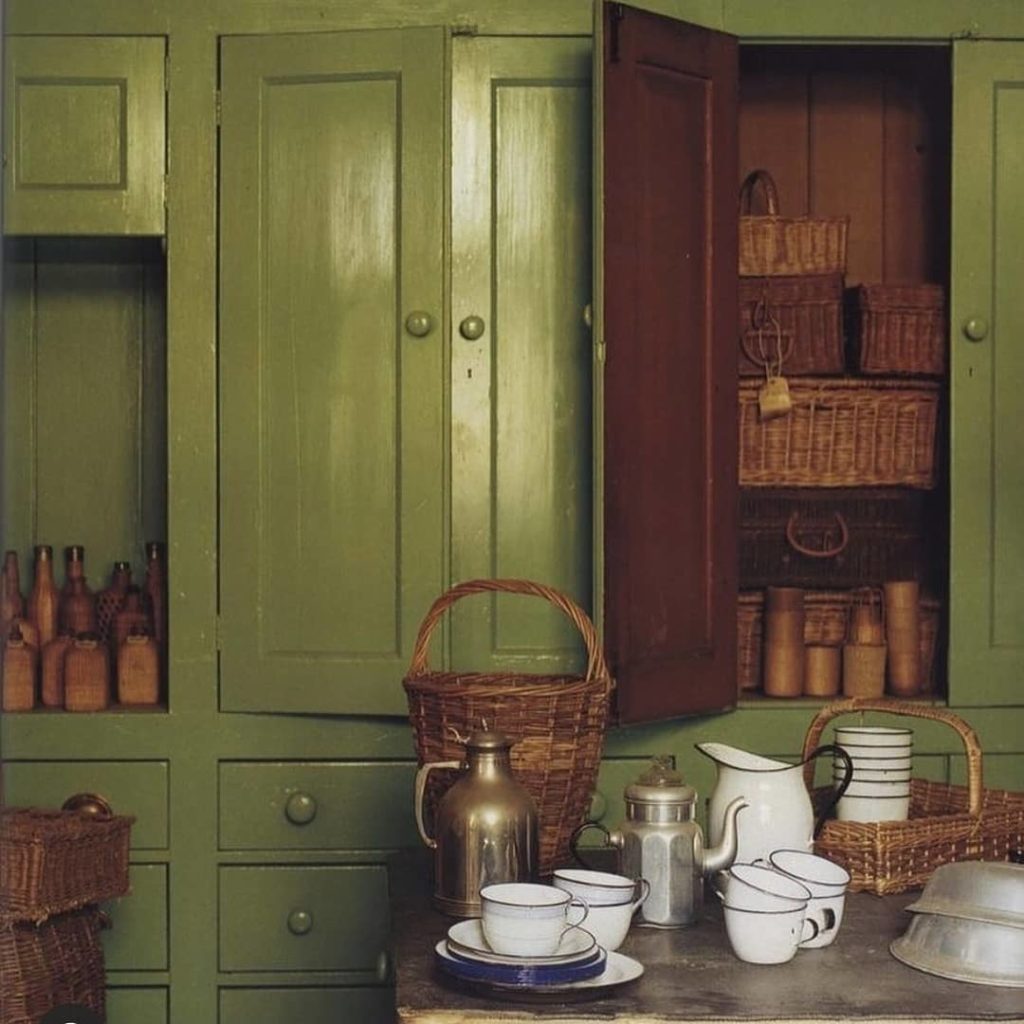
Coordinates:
column 946, row 823
column 557, row 722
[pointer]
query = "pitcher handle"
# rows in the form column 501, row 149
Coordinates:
column 837, row 793
column 421, row 788
column 575, row 838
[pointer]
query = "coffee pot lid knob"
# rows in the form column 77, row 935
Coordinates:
column 661, row 784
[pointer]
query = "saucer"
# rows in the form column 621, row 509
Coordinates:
column 466, row 941
column 518, row 975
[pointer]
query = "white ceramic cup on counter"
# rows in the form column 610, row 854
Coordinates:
column 827, row 883
column 760, row 887
column 612, row 899
column 527, row 919
column 768, row 936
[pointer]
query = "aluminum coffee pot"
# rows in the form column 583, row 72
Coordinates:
column 660, row 841
column 486, row 827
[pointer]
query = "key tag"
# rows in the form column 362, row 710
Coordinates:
column 773, row 399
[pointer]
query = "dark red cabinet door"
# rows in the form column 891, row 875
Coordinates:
column 669, row 326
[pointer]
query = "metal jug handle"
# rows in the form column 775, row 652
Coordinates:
column 837, row 794
column 421, row 788
column 575, row 838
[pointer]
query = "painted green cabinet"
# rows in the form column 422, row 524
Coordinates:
column 84, row 136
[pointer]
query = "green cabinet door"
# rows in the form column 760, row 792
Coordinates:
column 520, row 376
column 331, row 365
column 986, row 656
column 84, row 135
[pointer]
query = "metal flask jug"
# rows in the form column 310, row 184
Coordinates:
column 485, row 828
column 661, row 842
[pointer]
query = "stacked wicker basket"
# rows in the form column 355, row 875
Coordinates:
column 838, row 428
column 55, row 867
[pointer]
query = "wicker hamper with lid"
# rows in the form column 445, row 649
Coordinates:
column 557, row 722
column 946, row 823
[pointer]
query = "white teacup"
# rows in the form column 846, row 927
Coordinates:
column 873, row 808
column 768, row 936
column 827, row 882
column 760, row 887
column 526, row 919
column 610, row 899
column 873, row 736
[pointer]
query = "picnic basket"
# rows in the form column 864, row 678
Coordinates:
column 771, row 245
column 55, row 861
column 946, row 823
column 557, row 722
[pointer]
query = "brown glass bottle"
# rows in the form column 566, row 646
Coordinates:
column 44, row 599
column 12, row 604
column 111, row 598
column 132, row 618
column 77, row 608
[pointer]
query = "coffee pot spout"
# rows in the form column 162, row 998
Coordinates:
column 718, row 858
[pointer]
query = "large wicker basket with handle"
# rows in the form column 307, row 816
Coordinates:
column 557, row 722
column 946, row 823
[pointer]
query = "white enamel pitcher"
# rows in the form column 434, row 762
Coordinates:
column 780, row 815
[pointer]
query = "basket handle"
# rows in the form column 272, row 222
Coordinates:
column 771, row 194
column 596, row 666
column 899, row 707
column 795, row 543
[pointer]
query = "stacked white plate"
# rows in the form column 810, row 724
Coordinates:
column 879, row 787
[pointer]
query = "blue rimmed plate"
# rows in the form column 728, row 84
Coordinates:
column 466, row 942
column 518, row 975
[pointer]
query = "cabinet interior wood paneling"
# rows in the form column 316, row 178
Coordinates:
column 859, row 131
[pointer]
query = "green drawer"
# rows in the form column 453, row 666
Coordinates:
column 321, row 805
column 136, row 1006
column 137, row 940
column 130, row 787
column 323, row 918
column 310, row 1006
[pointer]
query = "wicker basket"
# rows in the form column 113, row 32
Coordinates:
column 901, row 329
column 809, row 314
column 58, row 962
column 825, row 621
column 55, row 861
column 841, row 432
column 558, row 722
column 946, row 823
column 772, row 245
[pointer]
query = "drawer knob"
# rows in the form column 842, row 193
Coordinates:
column 90, row 804
column 419, row 323
column 976, row 328
column 472, row 328
column 300, row 809
column 300, row 922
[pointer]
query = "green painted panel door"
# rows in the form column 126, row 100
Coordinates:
column 331, row 364
column 84, row 136
column 986, row 658
column 520, row 374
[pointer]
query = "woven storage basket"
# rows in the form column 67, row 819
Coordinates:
column 772, row 245
column 55, row 861
column 557, row 722
column 841, row 432
column 825, row 621
column 901, row 329
column 58, row 962
column 946, row 823
column 809, row 313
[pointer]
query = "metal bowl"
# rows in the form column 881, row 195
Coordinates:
column 975, row 891
column 964, row 950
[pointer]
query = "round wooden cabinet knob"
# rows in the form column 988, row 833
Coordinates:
column 300, row 809
column 472, row 328
column 976, row 328
column 419, row 323
column 300, row 922
column 90, row 804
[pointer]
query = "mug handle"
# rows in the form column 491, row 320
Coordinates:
column 645, row 888
column 575, row 838
column 576, row 901
column 837, row 793
column 815, row 931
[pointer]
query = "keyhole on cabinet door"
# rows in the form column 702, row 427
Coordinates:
column 469, row 374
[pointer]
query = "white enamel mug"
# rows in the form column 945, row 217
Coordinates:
column 767, row 936
column 527, row 919
column 610, row 899
column 827, row 882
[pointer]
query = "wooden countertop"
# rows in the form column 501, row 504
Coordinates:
column 691, row 974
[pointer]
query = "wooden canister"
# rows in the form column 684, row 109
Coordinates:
column 784, row 642
column 86, row 674
column 903, row 637
column 863, row 670
column 19, row 673
column 866, row 625
column 822, row 668
column 138, row 670
column 52, row 670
